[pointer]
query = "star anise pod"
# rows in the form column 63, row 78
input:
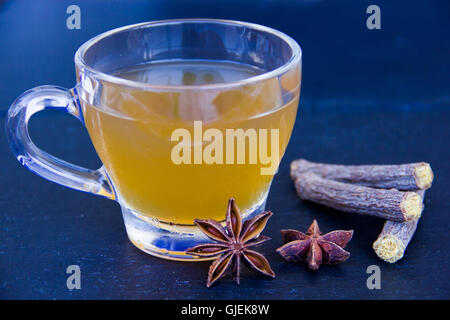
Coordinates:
column 232, row 243
column 314, row 247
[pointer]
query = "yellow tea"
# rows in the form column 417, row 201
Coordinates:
column 132, row 131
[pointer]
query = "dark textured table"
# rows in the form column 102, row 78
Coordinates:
column 368, row 96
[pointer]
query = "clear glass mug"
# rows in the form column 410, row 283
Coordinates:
column 132, row 123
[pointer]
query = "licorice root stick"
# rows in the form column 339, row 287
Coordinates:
column 388, row 204
column 411, row 176
column 394, row 238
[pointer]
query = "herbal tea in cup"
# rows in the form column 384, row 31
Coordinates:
column 184, row 114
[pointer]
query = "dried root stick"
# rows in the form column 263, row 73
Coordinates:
column 394, row 238
column 388, row 204
column 410, row 176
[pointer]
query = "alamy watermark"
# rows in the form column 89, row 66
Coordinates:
column 374, row 20
column 374, row 280
column 213, row 147
column 73, row 21
column 74, row 280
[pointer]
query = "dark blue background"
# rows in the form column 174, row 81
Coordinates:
column 368, row 96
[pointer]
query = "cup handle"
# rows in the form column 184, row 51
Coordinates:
column 40, row 162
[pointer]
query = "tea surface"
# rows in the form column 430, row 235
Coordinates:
column 188, row 72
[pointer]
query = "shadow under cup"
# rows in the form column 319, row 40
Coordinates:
column 175, row 147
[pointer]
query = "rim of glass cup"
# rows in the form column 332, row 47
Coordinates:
column 294, row 59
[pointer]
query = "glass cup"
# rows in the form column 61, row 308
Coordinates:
column 173, row 152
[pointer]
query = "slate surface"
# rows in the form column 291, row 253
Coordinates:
column 367, row 97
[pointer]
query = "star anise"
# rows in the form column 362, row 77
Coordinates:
column 314, row 247
column 232, row 244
